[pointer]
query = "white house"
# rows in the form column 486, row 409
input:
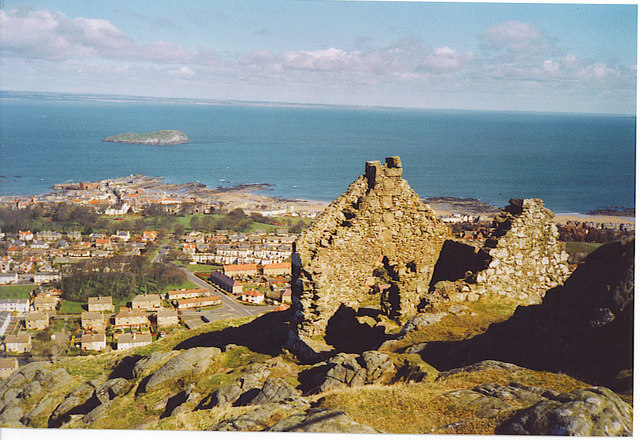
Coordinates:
column 8, row 278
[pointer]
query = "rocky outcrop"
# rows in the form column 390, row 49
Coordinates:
column 190, row 362
column 375, row 245
column 591, row 412
column 348, row 370
column 32, row 392
column 321, row 420
column 277, row 391
column 583, row 328
column 521, row 259
column 162, row 137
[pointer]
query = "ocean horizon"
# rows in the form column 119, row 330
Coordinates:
column 573, row 162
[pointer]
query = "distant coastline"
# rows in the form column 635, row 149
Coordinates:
column 39, row 95
column 246, row 197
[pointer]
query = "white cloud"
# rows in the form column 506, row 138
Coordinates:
column 515, row 59
column 183, row 72
column 445, row 59
column 51, row 35
column 515, row 35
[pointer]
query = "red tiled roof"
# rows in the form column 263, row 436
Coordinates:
column 285, row 265
column 232, row 267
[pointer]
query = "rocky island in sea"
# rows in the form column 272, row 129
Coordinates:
column 162, row 137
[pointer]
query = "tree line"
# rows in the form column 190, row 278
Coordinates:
column 121, row 277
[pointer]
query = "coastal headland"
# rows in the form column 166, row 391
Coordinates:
column 162, row 137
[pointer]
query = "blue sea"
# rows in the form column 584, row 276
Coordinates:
column 574, row 162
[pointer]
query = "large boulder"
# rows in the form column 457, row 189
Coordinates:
column 32, row 392
column 258, row 418
column 277, row 391
column 151, row 362
column 591, row 412
column 349, row 370
column 321, row 420
column 192, row 361
column 112, row 389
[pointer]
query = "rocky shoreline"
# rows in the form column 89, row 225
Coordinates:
column 246, row 196
column 162, row 137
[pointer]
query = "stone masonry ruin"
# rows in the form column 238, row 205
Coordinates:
column 379, row 232
column 379, row 246
column 521, row 259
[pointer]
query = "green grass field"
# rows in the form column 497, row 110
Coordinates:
column 71, row 307
column 204, row 268
column 16, row 291
column 186, row 285
column 576, row 247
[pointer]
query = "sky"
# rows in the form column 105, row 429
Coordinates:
column 480, row 56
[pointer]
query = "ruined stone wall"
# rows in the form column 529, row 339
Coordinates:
column 522, row 258
column 378, row 231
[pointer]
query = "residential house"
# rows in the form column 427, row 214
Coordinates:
column 74, row 235
column 19, row 305
column 194, row 237
column 18, row 343
column 285, row 296
column 49, row 236
column 100, row 304
column 189, row 248
column 149, row 236
column 36, row 320
column 252, row 296
column 60, row 244
column 5, row 264
column 8, row 278
column 39, row 244
column 103, row 243
column 43, row 303
column 204, row 258
column 146, row 302
column 167, row 317
column 93, row 342
column 25, row 235
column 185, row 293
column 130, row 340
column 131, row 318
column 7, row 366
column 203, row 248
column 226, row 283
column 192, row 303
column 282, row 307
column 46, row 277
column 232, row 270
column 276, row 269
column 79, row 253
column 93, row 321
column 122, row 236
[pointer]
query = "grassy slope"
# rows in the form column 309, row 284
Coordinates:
column 422, row 407
column 403, row 407
column 574, row 247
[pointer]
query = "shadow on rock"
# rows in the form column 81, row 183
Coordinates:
column 584, row 328
column 348, row 335
column 266, row 334
column 124, row 368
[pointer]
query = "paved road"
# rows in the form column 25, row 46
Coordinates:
column 161, row 253
column 230, row 307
